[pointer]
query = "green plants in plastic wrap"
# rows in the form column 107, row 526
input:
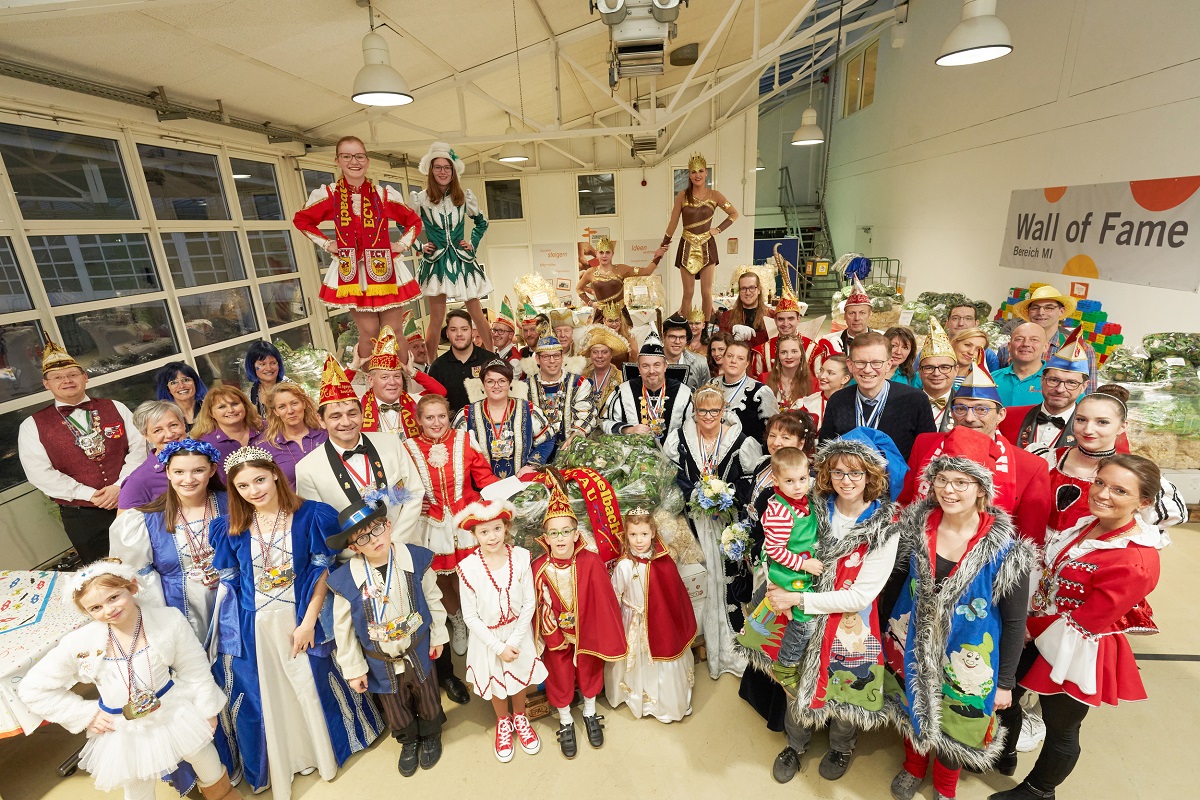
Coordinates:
column 940, row 304
column 1182, row 345
column 1164, row 418
column 303, row 365
column 1125, row 366
column 883, row 297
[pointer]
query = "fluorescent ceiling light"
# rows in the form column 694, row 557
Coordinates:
column 981, row 36
column 241, row 176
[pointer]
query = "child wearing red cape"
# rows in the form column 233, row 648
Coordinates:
column 578, row 622
column 657, row 676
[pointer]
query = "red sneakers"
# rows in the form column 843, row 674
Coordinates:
column 530, row 742
column 504, row 739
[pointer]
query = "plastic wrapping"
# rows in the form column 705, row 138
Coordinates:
column 1164, row 419
column 1125, row 366
column 1182, row 345
column 303, row 366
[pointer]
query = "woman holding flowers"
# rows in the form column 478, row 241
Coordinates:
column 716, row 466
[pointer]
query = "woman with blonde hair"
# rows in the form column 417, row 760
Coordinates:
column 294, row 428
column 967, row 346
column 227, row 420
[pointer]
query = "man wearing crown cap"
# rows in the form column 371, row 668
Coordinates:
column 651, row 403
column 387, row 406
column 936, row 364
column 78, row 451
column 564, row 397
column 857, row 311
column 352, row 466
column 504, row 332
column 788, row 311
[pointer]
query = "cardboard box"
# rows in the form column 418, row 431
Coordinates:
column 536, row 705
column 695, row 580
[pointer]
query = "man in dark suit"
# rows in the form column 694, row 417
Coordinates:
column 1022, row 480
column 900, row 411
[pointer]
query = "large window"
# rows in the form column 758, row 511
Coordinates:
column 58, row 175
column 258, row 193
column 860, row 79
column 183, row 185
column 76, row 269
column 503, row 199
column 597, row 194
column 198, row 259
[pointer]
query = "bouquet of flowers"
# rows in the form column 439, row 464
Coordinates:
column 735, row 542
column 714, row 498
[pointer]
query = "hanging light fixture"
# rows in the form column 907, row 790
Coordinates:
column 378, row 83
column 981, row 36
column 759, row 166
column 809, row 131
column 514, row 152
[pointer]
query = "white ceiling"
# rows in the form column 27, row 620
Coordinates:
column 292, row 63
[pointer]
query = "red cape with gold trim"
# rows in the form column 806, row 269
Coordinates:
column 599, row 629
column 670, row 620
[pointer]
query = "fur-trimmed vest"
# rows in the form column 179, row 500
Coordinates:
column 942, row 643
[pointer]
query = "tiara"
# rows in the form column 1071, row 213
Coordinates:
column 639, row 511
column 245, row 454
column 190, row 445
column 105, row 566
column 709, row 388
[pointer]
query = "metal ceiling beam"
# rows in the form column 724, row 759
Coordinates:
column 579, row 70
column 716, row 34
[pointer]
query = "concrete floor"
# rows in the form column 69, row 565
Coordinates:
column 1136, row 750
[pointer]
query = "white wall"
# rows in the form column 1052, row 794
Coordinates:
column 1094, row 91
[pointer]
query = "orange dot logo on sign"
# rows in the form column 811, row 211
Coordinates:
column 1081, row 266
column 1054, row 193
column 1164, row 193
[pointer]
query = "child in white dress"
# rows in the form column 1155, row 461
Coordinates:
column 498, row 603
column 657, row 676
column 158, row 701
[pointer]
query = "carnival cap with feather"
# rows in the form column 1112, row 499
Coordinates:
column 441, row 150
column 76, row 581
column 970, row 452
column 506, row 315
column 788, row 301
column 411, row 332
column 869, row 444
column 559, row 507
column 356, row 518
column 858, row 295
column 482, row 511
column 1072, row 356
column 937, row 343
column 385, row 352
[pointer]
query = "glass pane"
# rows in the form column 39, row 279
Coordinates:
column 76, row 269
column 198, row 259
column 257, row 191
column 503, row 199
column 868, row 84
column 58, row 175
column 20, row 359
column 314, row 179
column 212, row 317
column 11, row 473
column 132, row 390
column 295, row 338
column 853, row 84
column 283, row 302
column 110, row 339
column 271, row 252
column 679, row 178
column 597, row 194
column 224, row 365
column 183, row 185
column 13, row 296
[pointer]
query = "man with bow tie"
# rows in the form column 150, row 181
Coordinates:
column 353, row 466
column 388, row 406
column 1064, row 380
column 1022, row 480
column 78, row 451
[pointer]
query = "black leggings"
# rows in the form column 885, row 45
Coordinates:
column 1063, row 716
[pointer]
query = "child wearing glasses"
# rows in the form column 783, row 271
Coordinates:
column 578, row 622
column 789, row 546
column 390, row 627
column 498, row 601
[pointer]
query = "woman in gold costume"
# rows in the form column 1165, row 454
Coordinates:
column 603, row 286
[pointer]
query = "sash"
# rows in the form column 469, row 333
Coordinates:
column 348, row 484
column 604, row 514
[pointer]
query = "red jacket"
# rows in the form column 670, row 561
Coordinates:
column 1023, row 491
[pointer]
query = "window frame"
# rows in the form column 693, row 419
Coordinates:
column 861, row 57
column 491, row 216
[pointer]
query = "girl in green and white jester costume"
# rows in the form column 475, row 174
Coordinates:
column 449, row 266
column 956, row 630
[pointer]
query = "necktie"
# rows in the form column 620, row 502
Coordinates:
column 1045, row 419
column 869, row 402
column 361, row 450
column 389, row 407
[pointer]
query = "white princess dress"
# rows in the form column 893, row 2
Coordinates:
column 140, row 749
column 498, row 608
column 659, row 689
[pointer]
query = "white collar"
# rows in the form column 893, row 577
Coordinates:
column 85, row 399
column 1064, row 415
column 1147, row 535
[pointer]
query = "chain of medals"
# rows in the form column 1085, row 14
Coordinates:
column 198, row 546
column 506, row 615
column 1043, row 597
column 142, row 699
column 275, row 576
column 599, row 384
column 551, row 407
column 380, row 628
column 502, row 442
column 731, row 415
column 708, row 459
column 652, row 409
column 90, row 439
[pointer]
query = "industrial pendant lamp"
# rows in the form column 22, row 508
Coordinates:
column 810, row 132
column 981, row 36
column 759, row 165
column 514, row 152
column 378, row 83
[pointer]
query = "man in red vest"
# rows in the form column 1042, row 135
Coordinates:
column 78, row 451
column 387, row 406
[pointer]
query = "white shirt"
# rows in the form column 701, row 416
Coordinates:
column 59, row 485
column 872, row 576
column 1047, row 433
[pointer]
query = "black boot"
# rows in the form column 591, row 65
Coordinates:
column 1006, row 764
column 456, row 690
column 566, row 739
column 787, row 763
column 431, row 750
column 1023, row 791
column 408, row 757
column 595, row 731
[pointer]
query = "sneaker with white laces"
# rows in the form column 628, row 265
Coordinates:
column 458, row 634
column 529, row 740
column 1033, row 733
column 504, row 740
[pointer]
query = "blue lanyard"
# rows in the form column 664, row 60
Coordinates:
column 377, row 607
column 873, row 420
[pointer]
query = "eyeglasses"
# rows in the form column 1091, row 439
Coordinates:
column 962, row 319
column 708, row 412
column 1046, row 307
column 496, row 382
column 561, row 534
column 1056, row 382
column 854, row 475
column 364, row 538
column 958, row 484
column 440, row 168
column 677, row 338
column 1115, row 491
column 980, row 412
column 360, row 157
column 929, row 369
column 875, row 365
column 747, row 288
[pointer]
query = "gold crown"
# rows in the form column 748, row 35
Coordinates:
column 695, row 315
column 604, row 243
column 245, row 454
column 558, row 507
column 697, row 162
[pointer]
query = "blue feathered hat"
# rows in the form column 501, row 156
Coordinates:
column 868, row 443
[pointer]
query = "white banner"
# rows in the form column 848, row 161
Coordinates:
column 1140, row 232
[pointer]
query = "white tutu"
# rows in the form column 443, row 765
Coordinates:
column 449, row 543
